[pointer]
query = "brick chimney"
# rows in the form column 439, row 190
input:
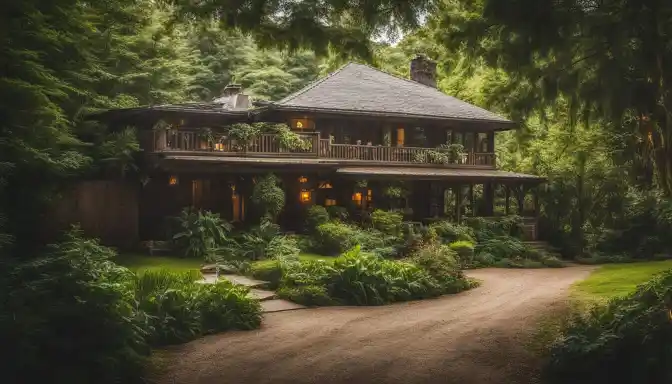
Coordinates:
column 233, row 98
column 423, row 71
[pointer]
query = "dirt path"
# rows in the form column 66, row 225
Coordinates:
column 474, row 337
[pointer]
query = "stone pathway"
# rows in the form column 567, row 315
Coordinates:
column 268, row 301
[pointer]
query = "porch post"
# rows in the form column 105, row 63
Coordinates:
column 489, row 196
column 472, row 200
column 535, row 194
column 521, row 199
column 507, row 191
column 458, row 203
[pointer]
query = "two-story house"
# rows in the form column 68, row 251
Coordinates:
column 361, row 123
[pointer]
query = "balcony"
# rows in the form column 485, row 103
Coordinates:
column 269, row 145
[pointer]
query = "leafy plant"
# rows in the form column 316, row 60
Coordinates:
column 317, row 215
column 333, row 238
column 464, row 250
column 268, row 196
column 387, row 222
column 309, row 295
column 450, row 232
column 201, row 232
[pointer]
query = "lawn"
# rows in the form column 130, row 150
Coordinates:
column 139, row 262
column 614, row 280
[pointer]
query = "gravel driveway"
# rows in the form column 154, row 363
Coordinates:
column 473, row 337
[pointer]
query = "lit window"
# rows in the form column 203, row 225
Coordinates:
column 369, row 195
column 305, row 196
column 325, row 185
column 173, row 180
column 357, row 198
column 400, row 137
column 303, row 179
column 329, row 202
column 299, row 125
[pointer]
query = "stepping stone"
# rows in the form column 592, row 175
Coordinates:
column 243, row 280
column 261, row 294
column 279, row 305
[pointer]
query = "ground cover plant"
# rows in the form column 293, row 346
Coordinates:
column 102, row 319
column 625, row 340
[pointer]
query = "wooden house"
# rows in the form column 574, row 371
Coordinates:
column 361, row 124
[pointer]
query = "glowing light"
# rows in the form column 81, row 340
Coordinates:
column 305, row 196
column 173, row 180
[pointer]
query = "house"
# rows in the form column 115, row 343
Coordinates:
column 365, row 131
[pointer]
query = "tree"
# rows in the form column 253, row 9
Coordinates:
column 609, row 59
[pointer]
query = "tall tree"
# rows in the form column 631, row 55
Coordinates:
column 610, row 59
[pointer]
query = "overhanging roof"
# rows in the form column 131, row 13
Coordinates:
column 363, row 90
column 438, row 173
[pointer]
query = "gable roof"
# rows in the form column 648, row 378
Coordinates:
column 363, row 90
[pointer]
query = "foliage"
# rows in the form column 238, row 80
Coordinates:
column 316, row 216
column 267, row 270
column 450, row 232
column 69, row 313
column 268, row 196
column 254, row 243
column 464, row 251
column 443, row 154
column 309, row 295
column 625, row 341
column 362, row 279
column 440, row 262
column 283, row 247
column 487, row 228
column 338, row 213
column 333, row 238
column 387, row 222
column 201, row 233
column 175, row 309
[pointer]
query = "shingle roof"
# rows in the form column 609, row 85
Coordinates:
column 361, row 89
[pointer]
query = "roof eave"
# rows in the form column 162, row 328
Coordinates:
column 501, row 124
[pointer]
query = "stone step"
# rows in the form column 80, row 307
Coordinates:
column 243, row 280
column 279, row 305
column 261, row 294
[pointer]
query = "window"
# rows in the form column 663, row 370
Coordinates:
column 369, row 195
column 325, row 185
column 196, row 193
column 306, row 196
column 400, row 137
column 301, row 124
column 357, row 198
column 329, row 202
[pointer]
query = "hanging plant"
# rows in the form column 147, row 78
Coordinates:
column 393, row 192
column 362, row 183
column 243, row 133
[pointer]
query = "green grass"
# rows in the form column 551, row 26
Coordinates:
column 614, row 280
column 139, row 263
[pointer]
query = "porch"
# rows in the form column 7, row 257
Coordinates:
column 186, row 142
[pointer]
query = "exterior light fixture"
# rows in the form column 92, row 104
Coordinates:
column 173, row 180
column 305, row 196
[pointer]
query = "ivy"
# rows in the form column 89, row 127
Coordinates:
column 245, row 133
column 443, row 154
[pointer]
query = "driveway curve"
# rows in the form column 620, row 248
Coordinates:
column 473, row 337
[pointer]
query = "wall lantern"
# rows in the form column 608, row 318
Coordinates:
column 303, row 179
column 305, row 196
column 173, row 180
column 329, row 202
column 357, row 198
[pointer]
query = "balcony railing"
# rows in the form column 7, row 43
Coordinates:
column 269, row 145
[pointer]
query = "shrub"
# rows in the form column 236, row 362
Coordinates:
column 334, row 238
column 200, row 233
column 551, row 262
column 175, row 309
column 312, row 272
column 309, row 295
column 316, row 216
column 439, row 261
column 69, row 313
column 464, row 251
column 502, row 247
column 483, row 259
column 283, row 247
column 387, row 222
column 518, row 262
column 338, row 213
column 450, row 232
column 268, row 196
column 488, row 228
column 267, row 270
column 624, row 341
column 363, row 279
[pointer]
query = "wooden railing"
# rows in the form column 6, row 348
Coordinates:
column 269, row 145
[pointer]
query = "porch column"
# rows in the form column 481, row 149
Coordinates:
column 458, row 203
column 489, row 197
column 535, row 197
column 507, row 191
column 521, row 199
column 472, row 200
column 491, row 146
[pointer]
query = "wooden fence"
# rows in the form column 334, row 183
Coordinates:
column 106, row 209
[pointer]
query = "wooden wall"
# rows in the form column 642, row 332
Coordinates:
column 106, row 209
